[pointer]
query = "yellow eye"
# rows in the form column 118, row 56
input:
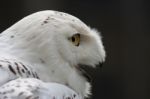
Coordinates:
column 75, row 39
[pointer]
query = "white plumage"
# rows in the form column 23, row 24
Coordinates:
column 30, row 88
column 49, row 46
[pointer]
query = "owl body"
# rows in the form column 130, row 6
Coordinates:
column 53, row 44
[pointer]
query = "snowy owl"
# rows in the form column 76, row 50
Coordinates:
column 41, row 57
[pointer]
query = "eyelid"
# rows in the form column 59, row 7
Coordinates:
column 77, row 34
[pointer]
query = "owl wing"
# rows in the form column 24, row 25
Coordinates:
column 18, row 81
column 11, row 69
column 32, row 88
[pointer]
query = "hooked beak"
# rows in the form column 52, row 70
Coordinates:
column 86, row 72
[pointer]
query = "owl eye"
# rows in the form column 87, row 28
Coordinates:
column 75, row 39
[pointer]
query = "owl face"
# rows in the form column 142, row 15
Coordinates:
column 80, row 47
column 79, row 44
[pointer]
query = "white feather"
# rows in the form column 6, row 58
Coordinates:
column 41, row 41
column 30, row 88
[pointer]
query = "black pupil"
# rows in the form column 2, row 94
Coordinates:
column 73, row 39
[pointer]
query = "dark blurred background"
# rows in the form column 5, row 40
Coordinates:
column 125, row 27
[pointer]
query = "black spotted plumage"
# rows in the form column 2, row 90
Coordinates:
column 11, row 69
column 17, row 69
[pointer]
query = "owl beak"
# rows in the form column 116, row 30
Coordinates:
column 100, row 64
column 87, row 71
column 84, row 71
